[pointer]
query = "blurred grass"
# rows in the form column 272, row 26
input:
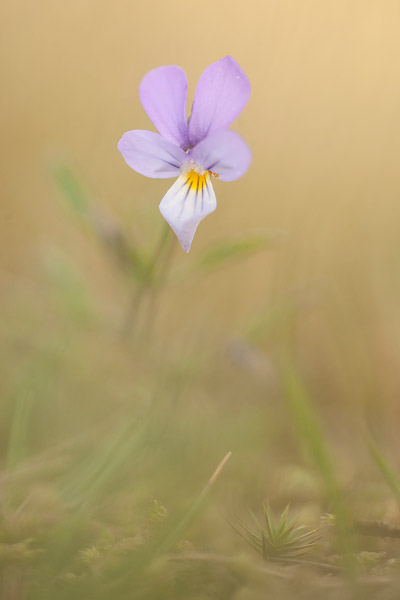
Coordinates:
column 387, row 471
column 107, row 440
column 313, row 440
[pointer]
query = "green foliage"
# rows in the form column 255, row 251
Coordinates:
column 71, row 189
column 387, row 471
column 106, row 438
column 192, row 513
column 19, row 431
column 230, row 251
column 279, row 539
column 309, row 431
column 69, row 285
column 313, row 441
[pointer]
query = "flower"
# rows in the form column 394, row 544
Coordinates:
column 193, row 150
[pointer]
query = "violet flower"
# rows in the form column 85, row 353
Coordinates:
column 193, row 150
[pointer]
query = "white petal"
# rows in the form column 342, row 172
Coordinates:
column 186, row 203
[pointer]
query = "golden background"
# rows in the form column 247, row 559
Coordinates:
column 323, row 126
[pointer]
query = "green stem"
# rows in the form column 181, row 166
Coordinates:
column 148, row 282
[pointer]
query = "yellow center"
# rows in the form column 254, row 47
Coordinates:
column 197, row 181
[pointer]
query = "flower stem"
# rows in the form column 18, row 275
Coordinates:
column 149, row 282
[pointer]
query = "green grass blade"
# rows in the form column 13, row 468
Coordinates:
column 312, row 439
column 18, row 440
column 71, row 189
column 193, row 511
column 234, row 250
column 386, row 470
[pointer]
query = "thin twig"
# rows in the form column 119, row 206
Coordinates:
column 218, row 470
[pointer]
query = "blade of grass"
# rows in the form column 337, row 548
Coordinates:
column 124, row 252
column 71, row 189
column 18, row 441
column 103, row 465
column 313, row 441
column 386, row 470
column 235, row 250
column 69, row 284
column 193, row 511
column 85, row 485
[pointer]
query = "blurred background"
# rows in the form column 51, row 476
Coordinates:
column 121, row 385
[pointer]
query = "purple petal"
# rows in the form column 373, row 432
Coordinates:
column 221, row 94
column 163, row 95
column 224, row 153
column 186, row 203
column 150, row 154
